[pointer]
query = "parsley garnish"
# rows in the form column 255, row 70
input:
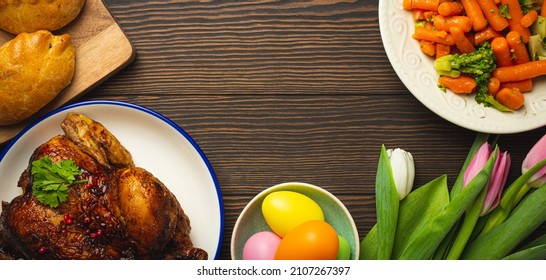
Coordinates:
column 52, row 180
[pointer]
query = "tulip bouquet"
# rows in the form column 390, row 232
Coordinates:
column 477, row 218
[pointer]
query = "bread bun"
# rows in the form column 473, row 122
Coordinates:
column 34, row 69
column 17, row 16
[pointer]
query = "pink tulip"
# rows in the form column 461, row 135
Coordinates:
column 498, row 175
column 497, row 182
column 535, row 155
column 477, row 163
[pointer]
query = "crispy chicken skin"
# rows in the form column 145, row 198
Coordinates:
column 121, row 212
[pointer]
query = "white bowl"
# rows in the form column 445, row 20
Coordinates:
column 251, row 219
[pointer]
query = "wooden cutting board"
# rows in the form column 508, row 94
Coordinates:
column 102, row 49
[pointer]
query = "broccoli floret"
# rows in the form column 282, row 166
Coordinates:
column 483, row 97
column 539, row 26
column 503, row 9
column 537, row 50
column 527, row 5
column 479, row 64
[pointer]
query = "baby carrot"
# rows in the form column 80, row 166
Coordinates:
column 429, row 5
column 427, row 47
column 407, row 5
column 492, row 14
column 518, row 47
column 473, row 11
column 442, row 37
column 543, row 9
column 444, row 23
column 463, row 44
column 460, row 85
column 447, row 9
column 529, row 18
column 520, row 72
column 429, row 25
column 418, row 15
column 516, row 14
column 493, row 86
column 485, row 35
column 523, row 86
column 429, row 15
column 442, row 50
column 501, row 49
column 512, row 98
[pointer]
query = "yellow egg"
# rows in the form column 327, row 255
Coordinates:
column 284, row 210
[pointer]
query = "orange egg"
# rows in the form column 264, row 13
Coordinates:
column 312, row 240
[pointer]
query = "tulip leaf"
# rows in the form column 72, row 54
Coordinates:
column 387, row 204
column 501, row 240
column 443, row 249
column 537, row 242
column 427, row 238
column 534, row 250
column 420, row 205
column 369, row 247
column 469, row 221
column 533, row 253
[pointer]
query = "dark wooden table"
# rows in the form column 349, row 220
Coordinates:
column 277, row 91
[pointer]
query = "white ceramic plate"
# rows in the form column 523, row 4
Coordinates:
column 416, row 71
column 156, row 144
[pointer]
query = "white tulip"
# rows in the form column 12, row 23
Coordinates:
column 403, row 170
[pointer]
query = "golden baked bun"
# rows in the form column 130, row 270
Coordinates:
column 34, row 69
column 17, row 16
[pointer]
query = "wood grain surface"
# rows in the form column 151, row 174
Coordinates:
column 277, row 91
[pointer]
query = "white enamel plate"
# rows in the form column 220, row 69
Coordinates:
column 156, row 144
column 416, row 71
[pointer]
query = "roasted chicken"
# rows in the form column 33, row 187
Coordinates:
column 119, row 211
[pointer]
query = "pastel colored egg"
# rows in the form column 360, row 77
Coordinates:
column 261, row 246
column 312, row 240
column 284, row 210
column 344, row 251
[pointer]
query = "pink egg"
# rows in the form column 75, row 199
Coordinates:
column 261, row 246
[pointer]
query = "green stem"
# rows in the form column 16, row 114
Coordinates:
column 447, row 242
column 469, row 222
column 534, row 253
column 524, row 190
column 478, row 227
column 79, row 182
